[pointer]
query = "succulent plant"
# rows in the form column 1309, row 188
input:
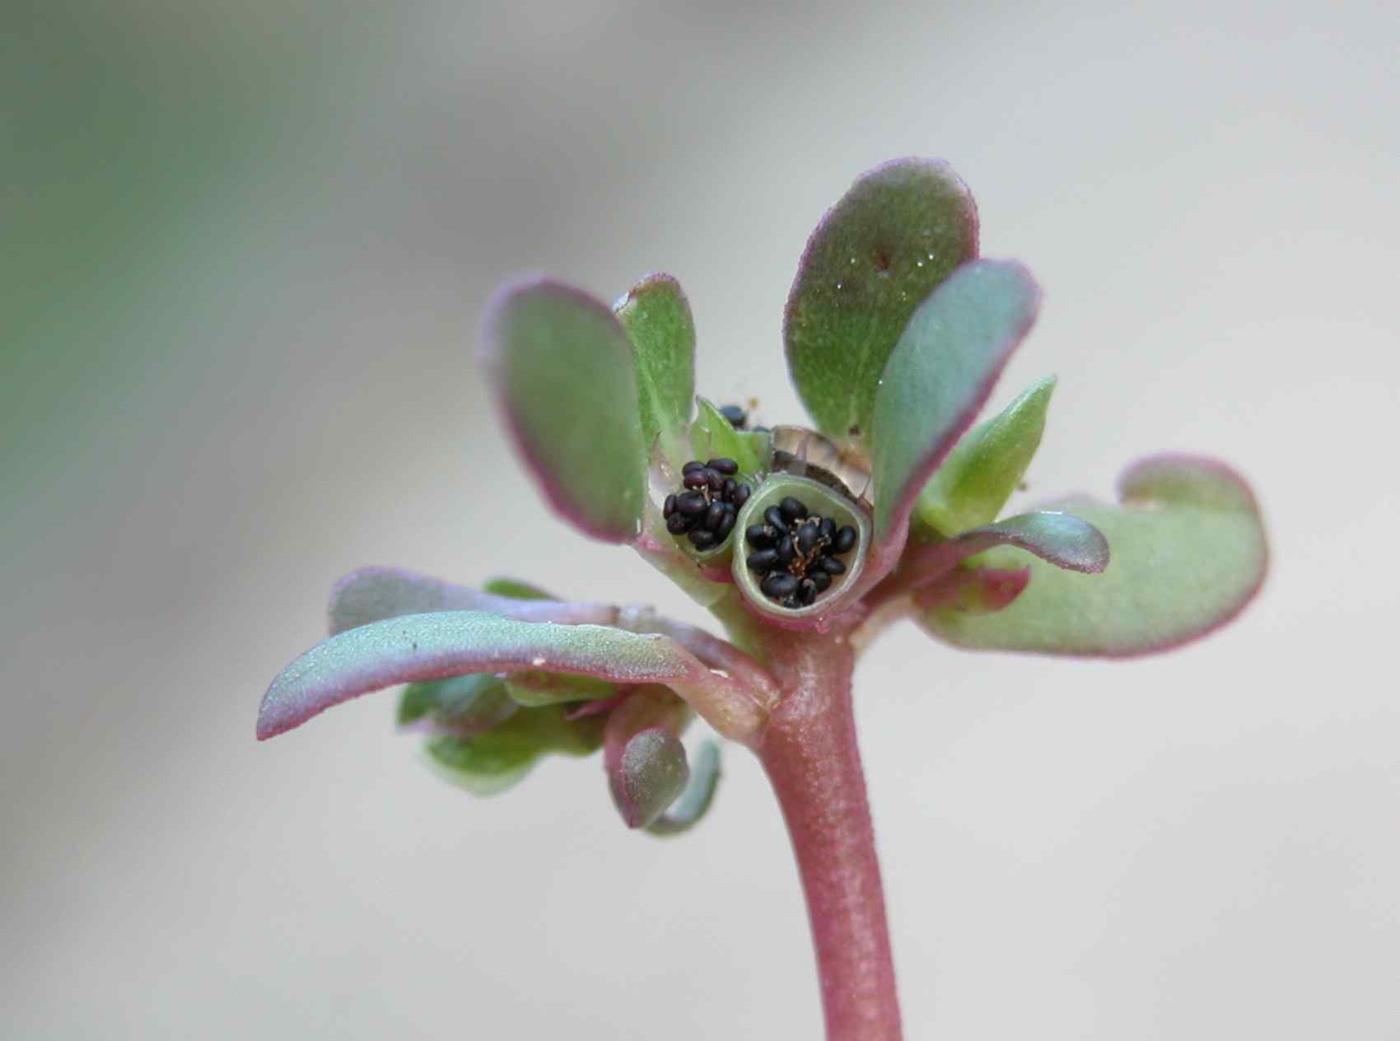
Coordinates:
column 803, row 543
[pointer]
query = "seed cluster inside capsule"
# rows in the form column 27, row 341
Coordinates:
column 705, row 508
column 797, row 552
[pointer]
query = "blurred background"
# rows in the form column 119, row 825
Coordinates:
column 244, row 250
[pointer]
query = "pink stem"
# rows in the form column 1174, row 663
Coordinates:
column 809, row 751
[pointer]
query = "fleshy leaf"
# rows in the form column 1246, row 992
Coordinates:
column 699, row 793
column 1059, row 538
column 563, row 367
column 463, row 704
column 712, row 436
column 420, row 647
column 939, row 375
column 491, row 762
column 657, row 319
column 984, row 468
column 533, row 689
column 651, row 772
column 973, row 590
column 898, row 232
column 1189, row 552
column 373, row 594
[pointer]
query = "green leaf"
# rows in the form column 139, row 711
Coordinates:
column 984, row 468
column 563, row 367
column 553, row 688
column 1188, row 552
column 477, row 701
column 516, row 588
column 699, row 793
column 939, row 375
column 657, row 318
column 899, row 231
column 491, row 762
column 713, row 437
column 419, row 647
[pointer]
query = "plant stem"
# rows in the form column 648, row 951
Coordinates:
column 809, row 751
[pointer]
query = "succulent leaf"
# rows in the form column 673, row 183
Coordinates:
column 1189, row 552
column 712, row 436
column 699, row 794
column 563, row 367
column 656, row 316
column 983, row 469
column 939, row 375
column 898, row 232
column 461, row 704
column 433, row 646
column 650, row 773
column 516, row 588
column 1059, row 538
column 497, row 759
column 534, row 688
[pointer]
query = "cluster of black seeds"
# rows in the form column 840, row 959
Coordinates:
column 797, row 552
column 739, row 419
column 704, row 511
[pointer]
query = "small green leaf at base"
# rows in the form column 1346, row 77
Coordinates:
column 984, row 468
column 657, row 318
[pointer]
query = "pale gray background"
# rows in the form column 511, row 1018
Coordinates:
column 1200, row 846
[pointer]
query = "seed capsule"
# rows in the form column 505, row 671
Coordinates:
column 724, row 465
column 845, row 540
column 779, row 585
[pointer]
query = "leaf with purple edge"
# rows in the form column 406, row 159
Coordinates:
column 985, row 466
column 940, row 374
column 563, row 367
column 657, row 318
column 695, row 801
column 712, row 436
column 433, row 646
column 1056, row 537
column 898, row 232
column 533, row 688
column 1189, row 552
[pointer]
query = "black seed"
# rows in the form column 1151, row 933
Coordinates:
column 702, row 539
column 678, row 524
column 786, row 551
column 726, row 525
column 821, row 580
column 737, row 417
column 692, row 504
column 741, row 495
column 761, row 430
column 778, row 585
column 774, row 518
column 714, row 515
column 728, row 489
column 758, row 536
column 692, row 466
column 831, row 565
column 696, row 479
column 845, row 540
column 792, row 508
column 806, row 538
column 716, row 479
column 806, row 591
column 828, row 529
column 763, row 561
column 669, row 507
column 724, row 465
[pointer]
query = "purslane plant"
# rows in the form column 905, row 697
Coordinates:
column 803, row 544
